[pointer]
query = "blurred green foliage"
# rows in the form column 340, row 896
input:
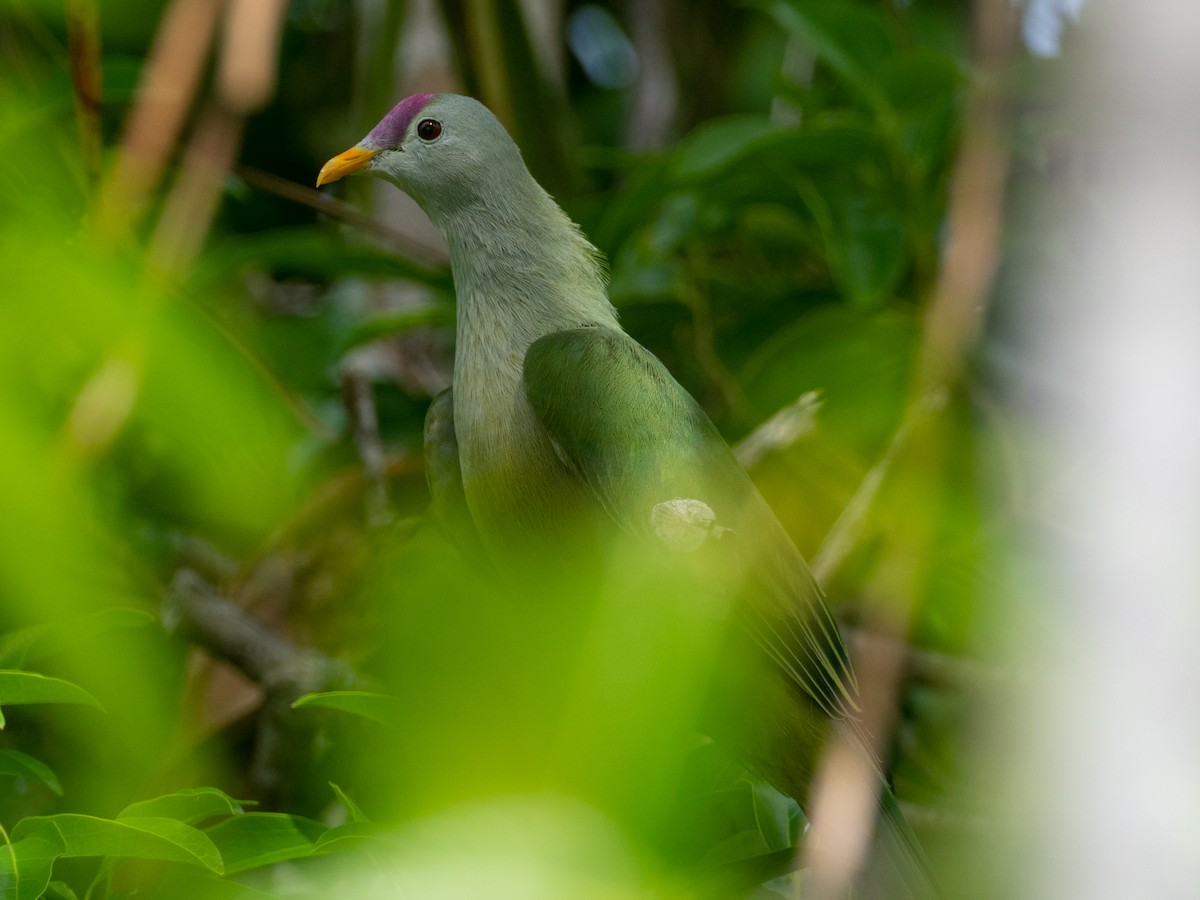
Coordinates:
column 784, row 239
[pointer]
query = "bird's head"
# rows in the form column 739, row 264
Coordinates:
column 444, row 150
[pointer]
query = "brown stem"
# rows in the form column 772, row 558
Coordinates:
column 83, row 44
column 169, row 85
column 414, row 251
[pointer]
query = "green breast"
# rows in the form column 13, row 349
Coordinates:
column 524, row 500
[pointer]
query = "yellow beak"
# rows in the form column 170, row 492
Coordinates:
column 353, row 160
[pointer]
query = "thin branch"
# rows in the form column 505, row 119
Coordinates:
column 851, row 524
column 195, row 609
column 412, row 250
column 83, row 43
column 779, row 432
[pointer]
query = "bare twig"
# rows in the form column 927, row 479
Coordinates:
column 83, row 42
column 195, row 610
column 414, row 251
column 780, row 431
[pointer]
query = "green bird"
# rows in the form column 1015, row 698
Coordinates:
column 559, row 427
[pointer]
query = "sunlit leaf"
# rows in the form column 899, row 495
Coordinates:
column 38, row 841
column 376, row 707
column 716, row 144
column 355, row 812
column 352, row 836
column 27, row 862
column 920, row 78
column 761, row 822
column 858, row 360
column 260, row 839
column 27, row 643
column 140, row 837
column 18, row 687
column 191, row 805
column 200, row 884
column 61, row 890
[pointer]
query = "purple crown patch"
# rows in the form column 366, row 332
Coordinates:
column 390, row 130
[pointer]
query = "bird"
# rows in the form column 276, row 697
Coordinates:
column 559, row 427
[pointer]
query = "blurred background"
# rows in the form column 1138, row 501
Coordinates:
column 865, row 235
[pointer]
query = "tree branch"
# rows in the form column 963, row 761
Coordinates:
column 283, row 741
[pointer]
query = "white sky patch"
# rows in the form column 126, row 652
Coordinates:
column 1044, row 23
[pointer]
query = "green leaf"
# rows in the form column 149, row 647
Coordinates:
column 859, row 361
column 865, row 247
column 376, row 707
column 716, row 144
column 851, row 40
column 197, row 883
column 352, row 836
column 873, row 255
column 137, row 837
column 356, row 813
column 826, row 141
column 26, row 864
column 763, row 822
column 40, row 840
column 19, row 646
column 22, row 765
column 18, row 687
column 778, row 817
column 191, row 806
column 260, row 839
column 920, row 78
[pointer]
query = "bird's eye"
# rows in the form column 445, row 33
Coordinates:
column 429, row 129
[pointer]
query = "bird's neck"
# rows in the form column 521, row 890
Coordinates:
column 522, row 269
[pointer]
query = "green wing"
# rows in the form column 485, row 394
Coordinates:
column 637, row 439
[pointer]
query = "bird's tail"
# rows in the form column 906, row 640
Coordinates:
column 896, row 866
